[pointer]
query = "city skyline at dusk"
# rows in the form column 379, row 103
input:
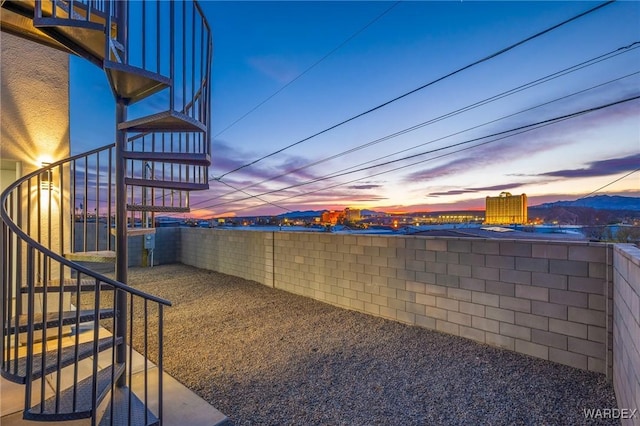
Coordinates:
column 285, row 74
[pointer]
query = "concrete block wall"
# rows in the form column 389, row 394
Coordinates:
column 167, row 248
column 167, row 244
column 551, row 300
column 544, row 299
column 626, row 328
column 244, row 254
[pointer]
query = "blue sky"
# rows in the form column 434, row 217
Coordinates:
column 320, row 63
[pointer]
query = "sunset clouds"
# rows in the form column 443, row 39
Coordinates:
column 286, row 71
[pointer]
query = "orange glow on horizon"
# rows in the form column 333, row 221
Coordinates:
column 226, row 214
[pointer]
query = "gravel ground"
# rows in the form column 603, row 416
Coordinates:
column 264, row 356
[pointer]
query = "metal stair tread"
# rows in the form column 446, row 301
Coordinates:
column 27, row 7
column 18, row 372
column 50, row 21
column 133, row 83
column 166, row 121
column 167, row 184
column 84, row 38
column 73, row 34
column 53, row 319
column 98, row 256
column 134, row 232
column 191, row 158
column 17, row 19
column 121, row 410
column 68, row 285
column 47, row 412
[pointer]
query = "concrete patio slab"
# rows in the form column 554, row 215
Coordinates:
column 181, row 406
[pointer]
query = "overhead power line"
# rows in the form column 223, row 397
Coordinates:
column 534, row 83
column 424, row 143
column 459, row 70
column 502, row 135
column 335, row 49
column 253, row 196
column 492, row 121
column 609, row 184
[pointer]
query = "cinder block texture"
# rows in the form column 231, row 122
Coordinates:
column 244, row 254
column 626, row 327
column 167, row 246
column 551, row 300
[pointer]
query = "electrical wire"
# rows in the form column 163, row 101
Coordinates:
column 450, row 74
column 491, row 122
column 503, row 134
column 354, row 35
column 252, row 196
column 483, row 102
column 428, row 142
column 609, row 184
column 395, row 169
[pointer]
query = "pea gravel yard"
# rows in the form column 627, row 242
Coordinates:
column 268, row 357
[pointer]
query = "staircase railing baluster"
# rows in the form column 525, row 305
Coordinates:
column 130, row 365
column 85, row 204
column 59, row 339
column 97, row 201
column 5, row 346
column 30, row 321
column 113, row 362
column 96, row 335
column 8, row 305
column 109, row 198
column 160, row 358
column 146, row 357
column 76, row 364
column 45, row 320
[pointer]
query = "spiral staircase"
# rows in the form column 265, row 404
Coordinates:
column 68, row 330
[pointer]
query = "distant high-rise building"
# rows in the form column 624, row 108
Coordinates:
column 506, row 209
column 352, row 215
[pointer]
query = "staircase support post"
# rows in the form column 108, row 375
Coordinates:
column 121, row 237
column 122, row 256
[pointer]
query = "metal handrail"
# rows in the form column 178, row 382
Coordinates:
column 179, row 53
column 22, row 240
column 44, row 250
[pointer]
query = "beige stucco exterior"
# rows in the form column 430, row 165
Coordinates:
column 34, row 116
column 34, row 110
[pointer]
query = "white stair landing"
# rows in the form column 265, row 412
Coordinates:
column 181, row 405
column 134, row 232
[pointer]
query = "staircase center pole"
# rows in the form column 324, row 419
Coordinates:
column 121, row 201
column 121, row 237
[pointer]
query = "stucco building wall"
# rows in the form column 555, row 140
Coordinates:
column 35, row 103
column 34, row 126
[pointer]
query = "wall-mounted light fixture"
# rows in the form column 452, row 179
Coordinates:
column 46, row 178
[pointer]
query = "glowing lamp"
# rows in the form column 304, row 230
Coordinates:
column 46, row 178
